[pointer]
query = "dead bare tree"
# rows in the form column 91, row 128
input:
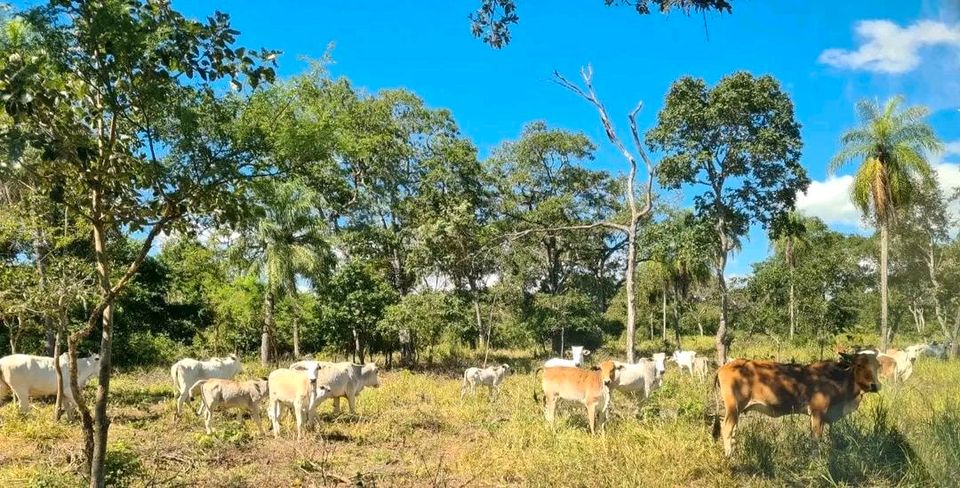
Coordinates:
column 638, row 211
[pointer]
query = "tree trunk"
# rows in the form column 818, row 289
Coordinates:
column 793, row 306
column 100, row 420
column 357, row 346
column 663, row 314
column 296, row 338
column 480, row 332
column 266, row 337
column 676, row 318
column 722, row 340
column 57, row 368
column 884, row 319
column 631, row 266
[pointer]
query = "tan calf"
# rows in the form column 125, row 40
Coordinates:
column 246, row 395
column 589, row 387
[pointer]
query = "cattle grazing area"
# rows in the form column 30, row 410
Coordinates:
column 415, row 430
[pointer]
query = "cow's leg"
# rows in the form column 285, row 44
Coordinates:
column 352, row 402
column 255, row 415
column 22, row 395
column 336, row 405
column 298, row 412
column 273, row 411
column 816, row 424
column 592, row 417
column 550, row 408
column 208, row 421
column 728, row 429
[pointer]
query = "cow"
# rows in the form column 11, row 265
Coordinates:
column 577, row 353
column 188, row 371
column 34, row 376
column 660, row 360
column 246, row 395
column 825, row 390
column 904, row 362
column 701, row 366
column 888, row 367
column 589, row 387
column 642, row 376
column 684, row 359
column 492, row 377
column 296, row 389
column 345, row 380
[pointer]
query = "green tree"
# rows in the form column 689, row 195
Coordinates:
column 119, row 98
column 891, row 146
column 790, row 243
column 284, row 242
column 356, row 300
column 740, row 143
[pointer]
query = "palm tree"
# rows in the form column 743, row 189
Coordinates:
column 790, row 241
column 286, row 242
column 891, row 145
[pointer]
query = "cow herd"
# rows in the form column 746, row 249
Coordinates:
column 824, row 390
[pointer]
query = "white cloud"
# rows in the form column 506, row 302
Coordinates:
column 830, row 201
column 888, row 48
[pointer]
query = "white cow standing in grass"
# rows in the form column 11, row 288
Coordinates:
column 345, row 380
column 246, row 395
column 296, row 389
column 684, row 359
column 32, row 376
column 641, row 377
column 491, row 377
column 577, row 353
column 188, row 371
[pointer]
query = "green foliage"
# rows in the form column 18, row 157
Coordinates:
column 356, row 299
column 425, row 319
column 123, row 466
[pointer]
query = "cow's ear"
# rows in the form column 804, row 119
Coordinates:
column 619, row 366
column 595, row 368
column 298, row 367
column 586, row 352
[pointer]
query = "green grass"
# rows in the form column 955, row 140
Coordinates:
column 415, row 431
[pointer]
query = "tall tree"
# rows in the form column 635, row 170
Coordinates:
column 738, row 142
column 285, row 242
column 492, row 20
column 789, row 242
column 119, row 97
column 891, row 146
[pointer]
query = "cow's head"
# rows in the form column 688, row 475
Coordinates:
column 505, row 368
column 660, row 362
column 368, row 374
column 608, row 371
column 865, row 369
column 308, row 367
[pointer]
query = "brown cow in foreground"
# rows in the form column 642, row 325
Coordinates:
column 825, row 390
column 589, row 387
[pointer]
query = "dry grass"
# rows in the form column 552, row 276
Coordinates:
column 415, row 431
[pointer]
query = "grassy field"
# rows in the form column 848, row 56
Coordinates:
column 415, row 431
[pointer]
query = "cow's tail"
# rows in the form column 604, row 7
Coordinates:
column 196, row 385
column 717, row 406
column 177, row 380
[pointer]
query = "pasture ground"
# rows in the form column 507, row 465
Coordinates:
column 415, row 431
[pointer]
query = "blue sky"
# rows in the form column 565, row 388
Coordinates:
column 826, row 54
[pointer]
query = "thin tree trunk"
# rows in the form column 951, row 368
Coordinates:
column 266, row 337
column 663, row 314
column 676, row 318
column 480, row 332
column 722, row 340
column 101, row 422
column 631, row 266
column 793, row 306
column 884, row 319
column 296, row 338
column 41, row 251
column 57, row 368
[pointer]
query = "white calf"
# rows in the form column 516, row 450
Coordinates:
column 684, row 359
column 701, row 366
column 491, row 377
column 188, row 371
column 294, row 389
column 246, row 395
column 660, row 360
column 642, row 377
column 32, row 376
column 345, row 380
column 577, row 353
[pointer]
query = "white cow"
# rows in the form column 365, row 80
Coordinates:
column 246, row 395
column 188, row 371
column 660, row 360
column 32, row 376
column 904, row 363
column 701, row 366
column 684, row 359
column 642, row 376
column 344, row 380
column 577, row 353
column 491, row 377
column 296, row 389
